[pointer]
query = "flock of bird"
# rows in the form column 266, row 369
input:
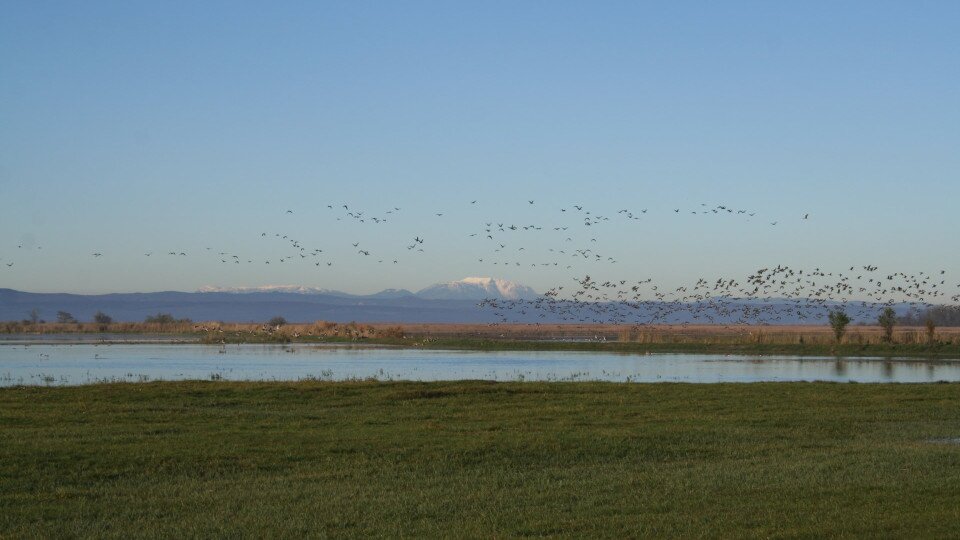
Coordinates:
column 768, row 296
column 572, row 239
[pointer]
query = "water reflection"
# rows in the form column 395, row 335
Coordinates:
column 840, row 368
column 84, row 363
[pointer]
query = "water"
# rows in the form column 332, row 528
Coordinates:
column 100, row 338
column 85, row 363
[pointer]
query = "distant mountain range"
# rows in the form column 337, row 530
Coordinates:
column 451, row 302
column 454, row 301
column 300, row 289
column 477, row 288
column 471, row 288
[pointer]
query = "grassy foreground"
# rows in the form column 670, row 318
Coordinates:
column 479, row 459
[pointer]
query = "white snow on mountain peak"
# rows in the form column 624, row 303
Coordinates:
column 470, row 288
column 478, row 288
column 294, row 289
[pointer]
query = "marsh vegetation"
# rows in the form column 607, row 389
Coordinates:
column 855, row 340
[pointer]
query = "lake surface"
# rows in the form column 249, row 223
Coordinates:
column 84, row 363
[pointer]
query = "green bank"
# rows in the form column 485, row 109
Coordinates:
column 476, row 459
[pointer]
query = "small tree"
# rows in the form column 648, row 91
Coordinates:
column 887, row 320
column 277, row 321
column 34, row 316
column 65, row 318
column 160, row 318
column 839, row 321
column 102, row 318
column 931, row 330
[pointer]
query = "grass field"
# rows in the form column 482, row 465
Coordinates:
column 478, row 459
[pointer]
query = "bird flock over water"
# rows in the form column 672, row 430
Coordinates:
column 570, row 237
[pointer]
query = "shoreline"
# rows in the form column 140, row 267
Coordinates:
column 944, row 351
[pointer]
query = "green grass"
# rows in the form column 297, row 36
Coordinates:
column 474, row 459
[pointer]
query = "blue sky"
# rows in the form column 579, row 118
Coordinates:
column 136, row 127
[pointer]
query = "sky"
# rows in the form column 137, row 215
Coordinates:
column 129, row 128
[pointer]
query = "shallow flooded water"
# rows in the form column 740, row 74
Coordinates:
column 85, row 363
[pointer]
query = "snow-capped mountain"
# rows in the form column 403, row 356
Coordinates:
column 471, row 288
column 294, row 289
column 477, row 288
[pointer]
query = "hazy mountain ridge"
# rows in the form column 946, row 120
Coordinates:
column 299, row 307
column 470, row 288
column 291, row 289
column 234, row 307
column 455, row 301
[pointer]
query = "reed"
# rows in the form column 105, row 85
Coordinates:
column 753, row 339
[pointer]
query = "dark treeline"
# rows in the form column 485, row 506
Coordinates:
column 939, row 315
column 165, row 318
